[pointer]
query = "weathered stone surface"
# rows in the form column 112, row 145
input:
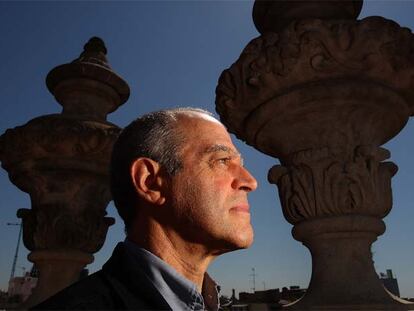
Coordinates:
column 343, row 275
column 57, row 269
column 335, row 73
column 62, row 162
column 318, row 183
column 275, row 15
column 322, row 92
column 59, row 137
column 88, row 86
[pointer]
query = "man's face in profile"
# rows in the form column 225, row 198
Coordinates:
column 209, row 194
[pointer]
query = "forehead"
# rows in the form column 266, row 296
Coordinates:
column 201, row 131
column 195, row 117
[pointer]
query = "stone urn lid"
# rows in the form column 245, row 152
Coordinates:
column 92, row 65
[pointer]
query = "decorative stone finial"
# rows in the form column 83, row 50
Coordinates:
column 62, row 162
column 95, row 44
column 275, row 15
column 88, row 86
column 94, row 51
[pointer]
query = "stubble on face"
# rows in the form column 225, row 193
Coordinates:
column 202, row 195
column 204, row 220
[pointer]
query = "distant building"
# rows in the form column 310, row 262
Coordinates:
column 21, row 286
column 271, row 299
column 3, row 297
column 389, row 282
column 292, row 293
column 263, row 296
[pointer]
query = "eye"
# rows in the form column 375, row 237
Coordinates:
column 225, row 160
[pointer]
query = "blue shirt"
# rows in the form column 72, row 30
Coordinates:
column 179, row 292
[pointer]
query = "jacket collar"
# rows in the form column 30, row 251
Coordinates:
column 178, row 291
column 123, row 273
column 141, row 292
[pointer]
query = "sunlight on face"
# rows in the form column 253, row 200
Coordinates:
column 210, row 193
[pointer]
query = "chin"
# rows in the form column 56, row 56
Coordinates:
column 242, row 241
column 246, row 242
column 246, row 236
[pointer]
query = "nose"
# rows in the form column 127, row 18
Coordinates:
column 245, row 181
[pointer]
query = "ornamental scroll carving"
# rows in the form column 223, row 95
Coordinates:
column 58, row 136
column 309, row 51
column 57, row 227
column 318, row 183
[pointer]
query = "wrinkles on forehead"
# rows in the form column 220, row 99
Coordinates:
column 219, row 147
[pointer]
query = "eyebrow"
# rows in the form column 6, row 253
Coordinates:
column 222, row 148
column 218, row 148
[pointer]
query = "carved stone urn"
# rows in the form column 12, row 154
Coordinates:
column 62, row 162
column 322, row 91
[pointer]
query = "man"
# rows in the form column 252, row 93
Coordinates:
column 180, row 186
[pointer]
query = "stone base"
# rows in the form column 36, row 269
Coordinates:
column 343, row 274
column 57, row 270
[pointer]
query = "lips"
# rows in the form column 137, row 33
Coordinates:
column 243, row 208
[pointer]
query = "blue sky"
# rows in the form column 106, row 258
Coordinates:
column 171, row 54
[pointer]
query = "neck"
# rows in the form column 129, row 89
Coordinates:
column 189, row 259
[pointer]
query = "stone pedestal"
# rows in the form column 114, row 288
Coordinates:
column 58, row 269
column 322, row 92
column 62, row 162
column 343, row 275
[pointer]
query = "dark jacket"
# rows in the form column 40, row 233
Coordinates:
column 120, row 285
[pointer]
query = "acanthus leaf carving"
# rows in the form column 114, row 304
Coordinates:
column 318, row 183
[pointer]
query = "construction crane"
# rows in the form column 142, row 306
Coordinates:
column 17, row 247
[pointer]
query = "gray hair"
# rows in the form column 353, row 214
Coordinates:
column 155, row 136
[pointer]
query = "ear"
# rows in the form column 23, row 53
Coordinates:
column 148, row 180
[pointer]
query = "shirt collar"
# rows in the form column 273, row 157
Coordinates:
column 179, row 292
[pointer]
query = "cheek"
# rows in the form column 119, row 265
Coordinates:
column 220, row 195
column 221, row 185
column 202, row 201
